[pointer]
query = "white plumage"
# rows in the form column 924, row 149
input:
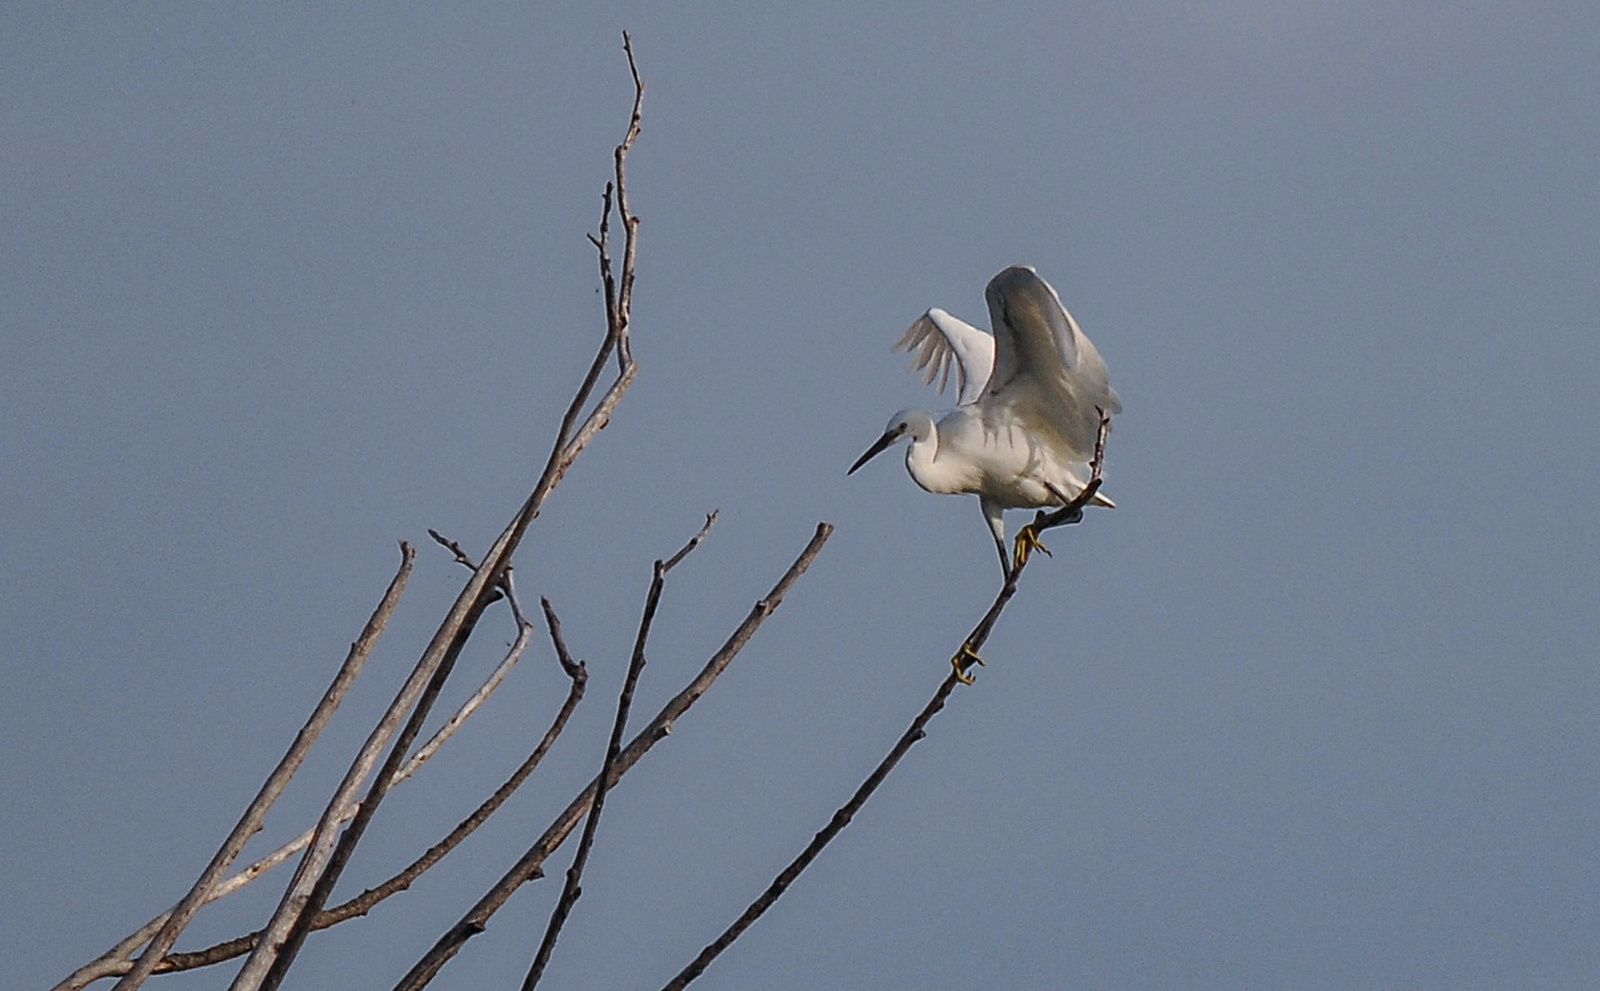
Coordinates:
column 1030, row 397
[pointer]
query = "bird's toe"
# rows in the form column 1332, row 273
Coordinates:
column 965, row 658
column 1027, row 542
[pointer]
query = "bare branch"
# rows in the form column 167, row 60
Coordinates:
column 438, row 657
column 470, row 706
column 510, row 587
column 618, row 295
column 602, row 246
column 364, row 902
column 683, row 552
column 596, row 421
column 115, row 961
column 630, row 221
column 571, row 890
column 461, row 556
column 531, row 863
column 916, row 731
column 572, row 668
column 299, row 905
column 250, row 823
column 840, row 819
column 291, row 922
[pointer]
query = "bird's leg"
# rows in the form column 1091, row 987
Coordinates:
column 965, row 658
column 994, row 515
column 1005, row 560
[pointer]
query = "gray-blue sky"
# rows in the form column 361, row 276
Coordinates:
column 1315, row 708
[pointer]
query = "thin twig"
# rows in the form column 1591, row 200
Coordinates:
column 572, row 890
column 469, row 707
column 618, row 289
column 602, row 245
column 683, row 552
column 461, row 556
column 630, row 221
column 529, row 866
column 916, row 731
column 510, row 587
column 250, row 822
column 465, row 559
column 840, row 819
column 574, row 669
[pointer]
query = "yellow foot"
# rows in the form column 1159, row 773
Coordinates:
column 965, row 658
column 1027, row 542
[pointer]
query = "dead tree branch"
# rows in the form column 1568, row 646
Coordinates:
column 574, row 669
column 116, row 961
column 250, row 822
column 975, row 640
column 447, row 641
column 331, row 843
column 470, row 706
column 530, row 865
column 364, row 902
column 313, row 882
column 571, row 890
column 329, row 852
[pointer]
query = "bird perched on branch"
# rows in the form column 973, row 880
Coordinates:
column 1031, row 399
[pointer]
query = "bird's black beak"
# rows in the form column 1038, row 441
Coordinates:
column 877, row 448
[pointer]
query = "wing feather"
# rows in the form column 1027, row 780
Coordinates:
column 1047, row 371
column 938, row 342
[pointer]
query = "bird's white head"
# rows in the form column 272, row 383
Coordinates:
column 908, row 424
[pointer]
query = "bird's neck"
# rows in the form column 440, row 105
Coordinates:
column 933, row 475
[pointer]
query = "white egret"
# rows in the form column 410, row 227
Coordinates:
column 1030, row 401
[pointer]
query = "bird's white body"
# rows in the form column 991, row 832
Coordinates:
column 1030, row 396
column 1001, row 462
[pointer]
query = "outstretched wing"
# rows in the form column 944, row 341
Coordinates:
column 939, row 340
column 1047, row 371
